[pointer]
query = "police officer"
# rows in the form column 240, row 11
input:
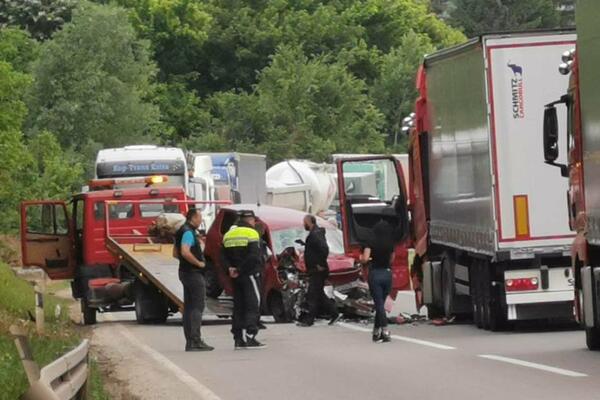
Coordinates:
column 242, row 258
column 191, row 274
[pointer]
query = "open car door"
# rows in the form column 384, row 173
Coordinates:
column 371, row 189
column 47, row 238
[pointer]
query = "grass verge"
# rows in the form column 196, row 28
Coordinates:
column 16, row 304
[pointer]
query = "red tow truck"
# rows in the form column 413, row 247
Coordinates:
column 582, row 167
column 93, row 241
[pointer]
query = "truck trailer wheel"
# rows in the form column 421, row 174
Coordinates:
column 89, row 313
column 592, row 338
column 494, row 318
column 151, row 306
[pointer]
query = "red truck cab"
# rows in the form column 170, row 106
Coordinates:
column 372, row 189
column 68, row 241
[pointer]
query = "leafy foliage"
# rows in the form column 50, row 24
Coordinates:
column 216, row 50
column 91, row 82
column 41, row 18
column 480, row 16
column 394, row 91
column 38, row 168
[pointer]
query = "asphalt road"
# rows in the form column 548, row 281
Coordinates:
column 340, row 362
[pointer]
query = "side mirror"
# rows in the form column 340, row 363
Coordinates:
column 550, row 134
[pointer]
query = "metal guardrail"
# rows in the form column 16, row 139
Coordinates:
column 63, row 379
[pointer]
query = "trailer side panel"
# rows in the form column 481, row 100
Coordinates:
column 588, row 53
column 529, row 195
column 460, row 184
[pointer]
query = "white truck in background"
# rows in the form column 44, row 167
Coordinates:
column 301, row 185
column 238, row 177
column 131, row 162
column 194, row 174
column 202, row 185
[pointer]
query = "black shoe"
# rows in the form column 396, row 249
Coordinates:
column 240, row 344
column 252, row 343
column 261, row 326
column 199, row 346
column 334, row 320
column 386, row 337
column 304, row 324
column 377, row 336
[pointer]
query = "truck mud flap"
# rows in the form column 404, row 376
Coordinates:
column 432, row 282
column 588, row 296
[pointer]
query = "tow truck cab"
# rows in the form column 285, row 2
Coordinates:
column 68, row 241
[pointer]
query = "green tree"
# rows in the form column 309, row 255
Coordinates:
column 55, row 173
column 301, row 107
column 394, row 92
column 480, row 16
column 177, row 30
column 35, row 169
column 315, row 108
column 17, row 48
column 41, row 18
column 92, row 81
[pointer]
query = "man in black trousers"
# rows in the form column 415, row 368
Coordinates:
column 191, row 274
column 315, row 256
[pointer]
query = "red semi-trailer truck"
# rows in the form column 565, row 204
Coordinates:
column 489, row 223
column 581, row 165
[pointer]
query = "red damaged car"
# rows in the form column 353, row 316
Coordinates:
column 283, row 279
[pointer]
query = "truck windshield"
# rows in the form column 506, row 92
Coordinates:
column 374, row 178
column 154, row 210
column 115, row 211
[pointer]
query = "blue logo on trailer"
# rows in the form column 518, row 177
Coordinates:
column 517, row 90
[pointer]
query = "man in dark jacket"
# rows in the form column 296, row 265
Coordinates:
column 243, row 260
column 315, row 257
column 191, row 274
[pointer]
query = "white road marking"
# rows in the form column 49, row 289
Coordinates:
column 401, row 338
column 528, row 364
column 191, row 382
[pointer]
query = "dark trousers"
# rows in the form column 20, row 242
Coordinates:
column 380, row 285
column 246, row 305
column 318, row 302
column 194, row 292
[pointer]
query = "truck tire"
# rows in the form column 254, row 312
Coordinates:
column 494, row 317
column 592, row 338
column 89, row 313
column 151, row 306
column 434, row 312
column 281, row 312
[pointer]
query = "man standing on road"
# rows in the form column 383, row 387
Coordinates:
column 315, row 256
column 243, row 260
column 191, row 274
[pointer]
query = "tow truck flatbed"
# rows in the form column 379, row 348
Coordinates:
column 153, row 262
